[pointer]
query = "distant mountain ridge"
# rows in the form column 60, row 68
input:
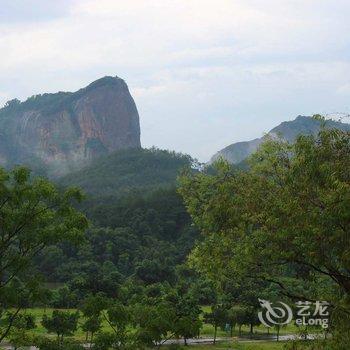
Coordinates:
column 63, row 131
column 289, row 130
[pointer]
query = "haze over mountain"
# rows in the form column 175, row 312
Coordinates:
column 63, row 131
column 239, row 151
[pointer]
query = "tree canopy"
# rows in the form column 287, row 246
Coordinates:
column 285, row 220
column 33, row 215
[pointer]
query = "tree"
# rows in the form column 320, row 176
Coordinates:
column 33, row 215
column 18, row 335
column 93, row 308
column 118, row 317
column 105, row 341
column 12, row 103
column 251, row 318
column 63, row 297
column 233, row 318
column 187, row 327
column 91, row 326
column 217, row 317
column 187, row 323
column 165, row 312
column 285, row 220
column 63, row 323
column 97, row 307
column 153, row 323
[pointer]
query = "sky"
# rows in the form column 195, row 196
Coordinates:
column 203, row 73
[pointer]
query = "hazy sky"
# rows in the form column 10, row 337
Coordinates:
column 204, row 73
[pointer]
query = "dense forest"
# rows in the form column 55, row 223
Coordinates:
column 139, row 226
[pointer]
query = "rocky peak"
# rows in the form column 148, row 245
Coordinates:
column 288, row 130
column 64, row 131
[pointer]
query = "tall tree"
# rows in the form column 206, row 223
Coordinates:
column 63, row 323
column 286, row 220
column 218, row 317
column 33, row 215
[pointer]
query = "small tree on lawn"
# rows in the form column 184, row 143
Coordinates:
column 187, row 323
column 251, row 318
column 118, row 317
column 232, row 319
column 187, row 327
column 91, row 326
column 240, row 316
column 153, row 323
column 92, row 309
column 217, row 317
column 63, row 323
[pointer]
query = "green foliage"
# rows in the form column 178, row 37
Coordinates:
column 147, row 237
column 128, row 171
column 91, row 326
column 92, row 308
column 63, row 297
column 62, row 323
column 21, row 324
column 141, row 228
column 34, row 214
column 93, row 305
column 284, row 221
column 118, row 317
column 239, row 152
column 23, row 321
column 217, row 317
column 105, row 341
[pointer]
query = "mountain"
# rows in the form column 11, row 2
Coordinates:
column 239, row 151
column 63, row 131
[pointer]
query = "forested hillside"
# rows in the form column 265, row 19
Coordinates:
column 128, row 171
column 139, row 225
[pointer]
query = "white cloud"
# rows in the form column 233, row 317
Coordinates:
column 344, row 89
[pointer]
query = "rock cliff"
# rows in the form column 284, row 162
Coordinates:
column 63, row 131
